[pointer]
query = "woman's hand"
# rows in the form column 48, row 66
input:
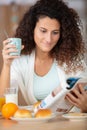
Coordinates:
column 7, row 49
column 78, row 97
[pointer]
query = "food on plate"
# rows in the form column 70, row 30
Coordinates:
column 36, row 104
column 9, row 109
column 23, row 113
column 43, row 113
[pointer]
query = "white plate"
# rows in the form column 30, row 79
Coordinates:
column 33, row 119
column 76, row 116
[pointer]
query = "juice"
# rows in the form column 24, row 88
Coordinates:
column 2, row 102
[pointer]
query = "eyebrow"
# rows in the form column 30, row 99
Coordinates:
column 46, row 29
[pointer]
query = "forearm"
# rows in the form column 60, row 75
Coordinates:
column 4, row 78
column 7, row 60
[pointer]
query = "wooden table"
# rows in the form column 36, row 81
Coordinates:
column 58, row 123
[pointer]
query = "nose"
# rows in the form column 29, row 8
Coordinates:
column 48, row 37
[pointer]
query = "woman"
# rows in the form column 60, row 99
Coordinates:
column 52, row 50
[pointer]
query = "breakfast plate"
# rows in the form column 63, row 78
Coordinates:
column 33, row 119
column 75, row 116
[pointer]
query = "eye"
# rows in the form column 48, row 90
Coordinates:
column 56, row 32
column 43, row 30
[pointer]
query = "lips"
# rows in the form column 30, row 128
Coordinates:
column 47, row 44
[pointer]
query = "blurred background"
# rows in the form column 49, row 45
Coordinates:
column 11, row 12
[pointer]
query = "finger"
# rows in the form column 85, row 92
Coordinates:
column 73, row 98
column 6, row 42
column 8, row 57
column 70, row 101
column 81, row 88
column 77, row 93
column 7, row 46
column 22, row 47
column 7, row 52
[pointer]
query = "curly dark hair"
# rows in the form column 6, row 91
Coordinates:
column 70, row 47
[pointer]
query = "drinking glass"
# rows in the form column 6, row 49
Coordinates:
column 11, row 95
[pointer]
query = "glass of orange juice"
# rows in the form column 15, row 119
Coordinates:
column 2, row 102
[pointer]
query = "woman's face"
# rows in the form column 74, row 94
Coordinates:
column 46, row 33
